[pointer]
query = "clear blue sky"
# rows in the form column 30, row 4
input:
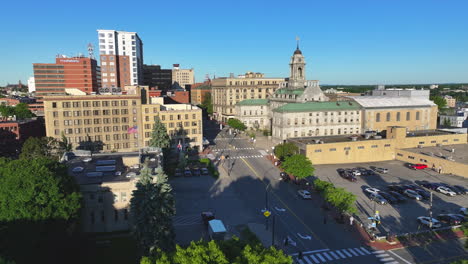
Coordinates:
column 344, row 41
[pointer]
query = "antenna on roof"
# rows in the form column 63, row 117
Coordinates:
column 91, row 51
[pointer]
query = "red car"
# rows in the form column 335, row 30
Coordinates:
column 418, row 166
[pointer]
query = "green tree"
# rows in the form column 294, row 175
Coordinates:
column 257, row 254
column 35, row 147
column 341, row 199
column 298, row 165
column 285, row 150
column 159, row 136
column 5, row 261
column 447, row 123
column 462, row 261
column 236, row 124
column 22, row 111
column 439, row 101
column 321, row 186
column 64, row 145
column 207, row 103
column 153, row 206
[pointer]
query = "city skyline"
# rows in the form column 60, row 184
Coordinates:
column 358, row 43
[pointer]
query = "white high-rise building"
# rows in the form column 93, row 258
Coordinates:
column 121, row 56
column 31, row 85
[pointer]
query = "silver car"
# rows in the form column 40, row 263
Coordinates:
column 425, row 220
column 412, row 194
column 304, row 194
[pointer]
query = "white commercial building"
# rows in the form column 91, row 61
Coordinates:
column 121, row 43
column 31, row 85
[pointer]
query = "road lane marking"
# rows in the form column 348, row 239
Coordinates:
column 313, row 258
column 327, row 256
column 347, row 253
column 352, row 251
column 341, row 254
column 312, row 251
column 386, row 259
column 379, row 251
column 359, row 251
column 334, row 255
column 398, row 256
column 286, row 206
column 365, row 250
column 382, row 255
column 320, row 257
column 300, row 261
column 307, row 260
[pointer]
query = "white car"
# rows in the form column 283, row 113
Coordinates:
column 425, row 220
column 304, row 194
column 78, row 169
column 356, row 173
column 118, row 173
column 463, row 211
column 445, row 191
column 412, row 194
column 131, row 174
column 381, row 170
column 372, row 190
column 87, row 159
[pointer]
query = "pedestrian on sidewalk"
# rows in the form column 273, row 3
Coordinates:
column 351, row 220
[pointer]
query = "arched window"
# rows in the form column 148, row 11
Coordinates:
column 417, row 115
column 398, row 116
column 408, row 116
column 377, row 117
column 388, row 117
column 300, row 72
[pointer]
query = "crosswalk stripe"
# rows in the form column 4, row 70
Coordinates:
column 320, row 257
column 307, row 260
column 382, row 255
column 341, row 254
column 327, row 256
column 300, row 261
column 365, row 250
column 334, row 255
column 386, row 259
column 347, row 253
column 393, row 262
column 352, row 251
column 314, row 259
column 379, row 251
column 359, row 251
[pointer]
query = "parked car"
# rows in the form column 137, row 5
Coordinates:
column 196, row 172
column 349, row 177
column 372, row 190
column 431, row 185
column 341, row 172
column 459, row 190
column 87, row 159
column 118, row 173
column 425, row 220
column 462, row 189
column 418, row 166
column 463, row 211
column 397, row 188
column 207, row 216
column 356, row 172
column 363, row 171
column 284, row 176
column 204, row 171
column 377, row 198
column 459, row 216
column 446, row 191
column 398, row 196
column 304, row 194
column 425, row 194
column 78, row 169
column 449, row 219
column 187, row 173
column 412, row 194
column 131, row 174
column 389, row 197
column 381, row 170
column 178, row 172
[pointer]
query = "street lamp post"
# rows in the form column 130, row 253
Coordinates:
column 266, row 205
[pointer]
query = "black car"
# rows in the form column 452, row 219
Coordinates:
column 457, row 189
column 449, row 219
column 462, row 189
column 363, row 171
column 341, row 172
column 397, row 188
column 389, row 197
column 425, row 194
column 430, row 186
column 398, row 196
column 284, row 176
column 377, row 198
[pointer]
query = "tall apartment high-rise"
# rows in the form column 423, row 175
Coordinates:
column 121, row 56
column 76, row 72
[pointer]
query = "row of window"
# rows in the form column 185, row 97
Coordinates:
column 93, row 112
column 116, row 216
column 98, row 138
column 251, row 82
column 326, row 132
column 349, row 148
column 398, row 116
column 173, row 124
column 317, row 121
column 94, row 103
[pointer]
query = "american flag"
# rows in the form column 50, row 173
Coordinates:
column 132, row 130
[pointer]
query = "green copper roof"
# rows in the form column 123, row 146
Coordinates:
column 253, row 102
column 287, row 91
column 317, row 106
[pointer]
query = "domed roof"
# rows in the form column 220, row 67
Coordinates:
column 297, row 51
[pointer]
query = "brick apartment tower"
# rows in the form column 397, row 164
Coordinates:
column 121, row 56
column 76, row 72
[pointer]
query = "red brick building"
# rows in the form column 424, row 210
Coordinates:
column 177, row 97
column 76, row 72
column 14, row 133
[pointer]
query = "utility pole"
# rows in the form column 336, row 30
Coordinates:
column 266, row 205
column 430, row 211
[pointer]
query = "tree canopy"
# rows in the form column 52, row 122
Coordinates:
column 159, row 136
column 233, row 251
column 338, row 197
column 298, row 165
column 35, row 147
column 439, row 101
column 285, row 150
column 153, row 206
column 21, row 111
column 236, row 124
column 207, row 103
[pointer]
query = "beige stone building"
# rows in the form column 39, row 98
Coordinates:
column 103, row 121
column 228, row 91
column 199, row 91
column 182, row 76
column 451, row 102
column 380, row 112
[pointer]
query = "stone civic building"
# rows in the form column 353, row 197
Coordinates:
column 299, row 108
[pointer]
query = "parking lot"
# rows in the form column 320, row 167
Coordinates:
column 399, row 217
